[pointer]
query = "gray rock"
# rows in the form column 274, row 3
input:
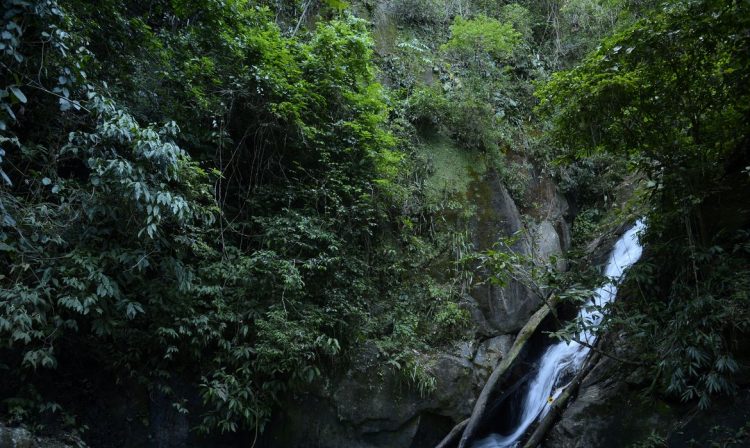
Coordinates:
column 550, row 205
column 491, row 351
column 466, row 349
column 611, row 411
column 546, row 244
column 23, row 438
column 607, row 412
column 504, row 309
column 374, row 408
column 16, row 438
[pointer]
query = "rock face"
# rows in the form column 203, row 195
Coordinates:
column 502, row 310
column 21, row 438
column 609, row 411
column 547, row 243
column 372, row 407
column 369, row 408
column 491, row 351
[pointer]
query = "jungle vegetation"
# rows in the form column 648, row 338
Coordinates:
column 229, row 194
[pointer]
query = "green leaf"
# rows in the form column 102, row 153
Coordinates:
column 133, row 309
column 18, row 94
column 64, row 104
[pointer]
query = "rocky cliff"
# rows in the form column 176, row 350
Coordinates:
column 366, row 407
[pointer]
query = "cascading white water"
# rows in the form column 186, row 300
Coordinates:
column 562, row 360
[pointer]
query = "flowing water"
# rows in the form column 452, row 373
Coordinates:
column 562, row 360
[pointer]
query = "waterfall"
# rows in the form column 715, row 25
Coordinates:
column 562, row 360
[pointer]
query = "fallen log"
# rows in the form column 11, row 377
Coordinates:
column 491, row 388
column 451, row 440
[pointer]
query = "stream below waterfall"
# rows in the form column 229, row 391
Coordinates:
column 560, row 362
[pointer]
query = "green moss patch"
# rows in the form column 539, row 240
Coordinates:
column 453, row 168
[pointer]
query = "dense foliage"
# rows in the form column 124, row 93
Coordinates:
column 670, row 95
column 197, row 192
column 216, row 201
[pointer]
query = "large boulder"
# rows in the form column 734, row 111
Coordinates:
column 611, row 410
column 505, row 309
column 607, row 412
column 547, row 245
column 490, row 352
column 368, row 407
